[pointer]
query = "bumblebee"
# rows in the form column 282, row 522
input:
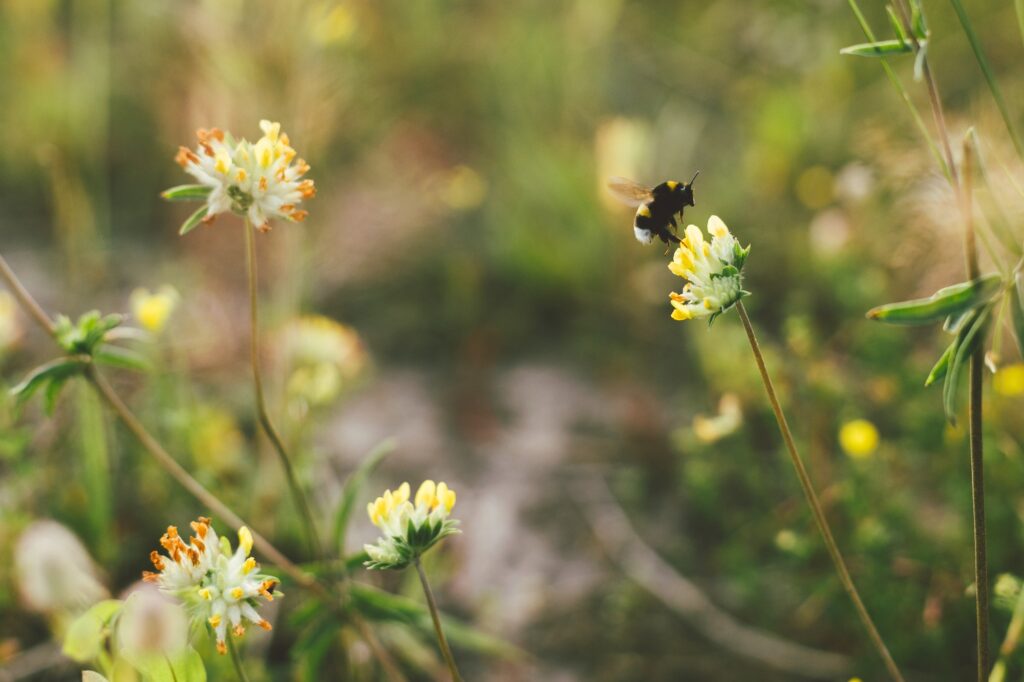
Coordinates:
column 656, row 207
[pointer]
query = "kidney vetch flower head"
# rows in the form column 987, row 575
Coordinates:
column 712, row 270
column 217, row 586
column 410, row 528
column 259, row 181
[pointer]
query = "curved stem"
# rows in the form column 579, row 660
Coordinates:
column 298, row 496
column 815, row 504
column 432, row 605
column 237, row 660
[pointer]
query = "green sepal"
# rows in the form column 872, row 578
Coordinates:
column 949, row 301
column 739, row 255
column 193, row 220
column 187, row 193
column 879, row 48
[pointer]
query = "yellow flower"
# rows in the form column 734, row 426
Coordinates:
column 152, row 310
column 1009, row 380
column 409, row 528
column 859, row 438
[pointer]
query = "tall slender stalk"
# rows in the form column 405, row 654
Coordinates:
column 298, row 496
column 432, row 605
column 815, row 504
column 237, row 661
column 975, row 428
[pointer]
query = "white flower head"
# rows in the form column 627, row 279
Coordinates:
column 260, row 181
column 409, row 528
column 55, row 573
column 713, row 272
column 217, row 586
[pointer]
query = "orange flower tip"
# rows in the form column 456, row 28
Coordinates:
column 264, row 228
column 263, row 183
column 222, row 648
column 265, row 624
column 150, row 576
column 208, row 220
column 239, row 630
column 299, row 216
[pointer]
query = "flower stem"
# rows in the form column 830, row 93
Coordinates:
column 298, row 496
column 237, row 660
column 445, row 650
column 815, row 504
column 975, row 429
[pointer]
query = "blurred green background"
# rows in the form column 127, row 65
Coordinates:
column 515, row 337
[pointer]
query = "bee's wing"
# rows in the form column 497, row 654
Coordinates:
column 629, row 192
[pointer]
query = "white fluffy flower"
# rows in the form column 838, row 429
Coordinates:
column 712, row 270
column 409, row 529
column 151, row 623
column 217, row 585
column 261, row 181
column 55, row 572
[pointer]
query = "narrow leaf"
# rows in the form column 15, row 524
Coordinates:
column 86, row 634
column 971, row 335
column 193, row 220
column 942, row 366
column 943, row 303
column 897, row 26
column 187, row 193
column 59, row 369
column 879, row 48
column 353, row 486
column 124, row 358
column 1017, row 310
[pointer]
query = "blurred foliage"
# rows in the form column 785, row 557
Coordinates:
column 460, row 150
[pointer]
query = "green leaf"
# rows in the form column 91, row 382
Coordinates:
column 86, row 634
column 951, row 300
column 122, row 357
column 187, row 193
column 193, row 220
column 897, row 26
column 942, row 366
column 384, row 606
column 972, row 333
column 186, row 666
column 879, row 48
column 354, row 485
column 1017, row 310
column 56, row 370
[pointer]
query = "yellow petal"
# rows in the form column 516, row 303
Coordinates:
column 425, row 495
column 245, row 539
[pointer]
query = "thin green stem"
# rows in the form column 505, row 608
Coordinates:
column 298, row 496
column 815, row 504
column 990, row 78
column 975, row 428
column 1010, row 641
column 432, row 605
column 237, row 661
column 904, row 95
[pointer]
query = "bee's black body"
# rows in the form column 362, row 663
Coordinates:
column 654, row 216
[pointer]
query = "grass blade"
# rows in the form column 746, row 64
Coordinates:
column 986, row 69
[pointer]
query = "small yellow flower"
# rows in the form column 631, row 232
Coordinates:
column 409, row 528
column 152, row 310
column 1009, row 380
column 859, row 438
